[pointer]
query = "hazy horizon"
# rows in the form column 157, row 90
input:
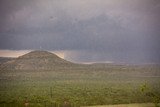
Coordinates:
column 119, row 31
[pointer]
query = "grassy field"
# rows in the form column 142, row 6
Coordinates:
column 128, row 105
column 83, row 86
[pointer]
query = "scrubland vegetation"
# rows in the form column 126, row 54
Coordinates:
column 80, row 86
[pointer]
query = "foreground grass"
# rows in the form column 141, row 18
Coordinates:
column 79, row 87
column 127, row 105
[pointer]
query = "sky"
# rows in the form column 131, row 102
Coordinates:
column 118, row 31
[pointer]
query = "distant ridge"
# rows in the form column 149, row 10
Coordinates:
column 44, row 60
column 36, row 60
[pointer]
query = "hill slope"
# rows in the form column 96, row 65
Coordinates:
column 36, row 60
column 5, row 59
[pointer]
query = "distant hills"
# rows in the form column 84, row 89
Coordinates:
column 35, row 60
column 43, row 60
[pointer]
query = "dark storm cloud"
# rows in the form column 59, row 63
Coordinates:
column 119, row 30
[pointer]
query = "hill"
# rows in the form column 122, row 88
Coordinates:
column 36, row 60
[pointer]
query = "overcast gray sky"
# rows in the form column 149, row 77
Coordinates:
column 125, row 31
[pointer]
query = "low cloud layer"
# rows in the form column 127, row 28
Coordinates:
column 86, row 31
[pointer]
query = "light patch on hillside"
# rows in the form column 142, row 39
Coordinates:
column 61, row 54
